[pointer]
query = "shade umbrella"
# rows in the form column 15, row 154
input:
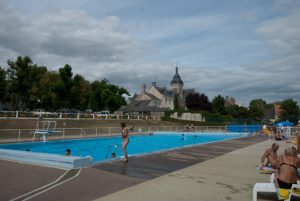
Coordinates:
column 283, row 123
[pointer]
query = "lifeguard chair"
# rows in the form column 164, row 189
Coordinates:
column 45, row 128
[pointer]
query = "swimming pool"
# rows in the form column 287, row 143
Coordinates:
column 100, row 149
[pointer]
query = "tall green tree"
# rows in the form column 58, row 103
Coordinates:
column 290, row 111
column 2, row 85
column 239, row 113
column 50, row 85
column 256, row 109
column 35, row 93
column 198, row 102
column 106, row 96
column 64, row 87
column 80, row 92
column 176, row 102
column 218, row 104
column 116, row 99
column 21, row 77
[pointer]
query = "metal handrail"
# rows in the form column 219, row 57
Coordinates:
column 96, row 131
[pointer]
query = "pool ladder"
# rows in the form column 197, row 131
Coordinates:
column 113, row 149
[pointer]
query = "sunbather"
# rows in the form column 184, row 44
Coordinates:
column 288, row 165
column 271, row 155
column 298, row 142
column 278, row 136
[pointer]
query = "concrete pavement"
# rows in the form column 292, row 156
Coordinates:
column 227, row 177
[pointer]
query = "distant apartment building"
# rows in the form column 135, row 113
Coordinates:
column 269, row 114
column 277, row 110
column 229, row 101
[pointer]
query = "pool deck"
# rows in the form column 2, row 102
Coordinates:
column 218, row 171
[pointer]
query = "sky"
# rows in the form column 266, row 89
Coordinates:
column 246, row 49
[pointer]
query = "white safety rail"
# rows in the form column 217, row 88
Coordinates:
column 21, row 135
column 77, row 116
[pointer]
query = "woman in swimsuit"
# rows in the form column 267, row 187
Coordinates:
column 125, row 140
column 287, row 173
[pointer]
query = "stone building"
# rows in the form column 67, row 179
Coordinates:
column 156, row 100
column 229, row 101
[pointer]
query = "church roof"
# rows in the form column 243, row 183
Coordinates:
column 176, row 78
column 151, row 96
column 164, row 91
column 141, row 106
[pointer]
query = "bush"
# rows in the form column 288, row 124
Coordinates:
column 215, row 117
column 195, row 123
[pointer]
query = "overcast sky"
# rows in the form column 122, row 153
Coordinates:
column 246, row 49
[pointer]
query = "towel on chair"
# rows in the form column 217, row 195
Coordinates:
column 283, row 194
column 266, row 170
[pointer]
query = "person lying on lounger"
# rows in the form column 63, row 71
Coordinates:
column 271, row 156
column 298, row 142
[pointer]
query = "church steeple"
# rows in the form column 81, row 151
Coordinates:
column 177, row 84
column 176, row 78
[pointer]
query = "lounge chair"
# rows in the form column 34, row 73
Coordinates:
column 271, row 188
column 263, row 187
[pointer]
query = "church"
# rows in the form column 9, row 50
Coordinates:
column 156, row 100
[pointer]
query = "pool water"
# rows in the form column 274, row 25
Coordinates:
column 101, row 149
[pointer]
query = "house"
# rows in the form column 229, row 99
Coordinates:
column 156, row 100
column 278, row 110
column 229, row 101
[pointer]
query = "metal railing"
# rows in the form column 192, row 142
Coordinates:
column 22, row 135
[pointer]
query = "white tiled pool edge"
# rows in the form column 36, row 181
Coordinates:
column 53, row 160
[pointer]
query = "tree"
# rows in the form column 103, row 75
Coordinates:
column 239, row 113
column 64, row 89
column 218, row 104
column 35, row 93
column 198, row 102
column 22, row 76
column 50, row 84
column 80, row 92
column 290, row 111
column 176, row 102
column 27, row 85
column 2, row 85
column 106, row 96
column 256, row 109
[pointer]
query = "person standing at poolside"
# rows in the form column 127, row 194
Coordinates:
column 125, row 140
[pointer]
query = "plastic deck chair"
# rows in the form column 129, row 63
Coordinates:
column 270, row 188
column 263, row 187
column 295, row 191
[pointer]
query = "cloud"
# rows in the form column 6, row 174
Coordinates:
column 68, row 34
column 218, row 52
column 283, row 33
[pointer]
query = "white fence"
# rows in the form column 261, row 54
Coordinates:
column 19, row 135
column 78, row 116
